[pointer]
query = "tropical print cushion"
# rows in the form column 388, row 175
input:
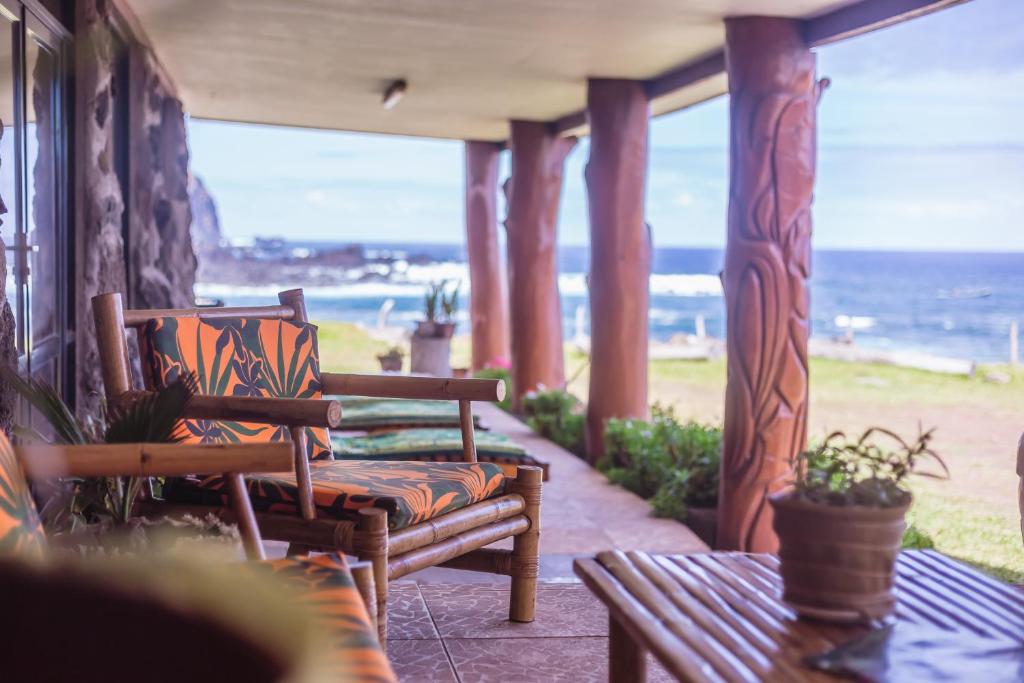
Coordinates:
column 411, row 492
column 238, row 357
column 326, row 586
column 433, row 445
column 360, row 413
column 21, row 533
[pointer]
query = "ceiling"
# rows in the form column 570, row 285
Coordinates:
column 471, row 65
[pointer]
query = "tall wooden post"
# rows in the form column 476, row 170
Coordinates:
column 620, row 254
column 533, row 193
column 488, row 301
column 773, row 97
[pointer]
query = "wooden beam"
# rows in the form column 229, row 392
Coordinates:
column 688, row 74
column 846, row 22
column 866, row 16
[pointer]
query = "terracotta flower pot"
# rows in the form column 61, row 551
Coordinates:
column 426, row 328
column 390, row 363
column 446, row 330
column 838, row 563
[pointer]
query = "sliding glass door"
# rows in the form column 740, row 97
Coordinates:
column 33, row 192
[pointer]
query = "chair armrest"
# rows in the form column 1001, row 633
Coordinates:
column 291, row 412
column 432, row 388
column 154, row 459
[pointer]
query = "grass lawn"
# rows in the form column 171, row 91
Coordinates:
column 973, row 516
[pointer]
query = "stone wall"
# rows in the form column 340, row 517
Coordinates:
column 160, row 213
column 161, row 267
column 99, row 247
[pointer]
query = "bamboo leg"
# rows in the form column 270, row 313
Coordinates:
column 525, row 564
column 362, row 573
column 468, row 437
column 626, row 660
column 303, row 481
column 242, row 508
column 371, row 544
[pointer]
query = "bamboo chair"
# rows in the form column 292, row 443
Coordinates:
column 456, row 539
column 342, row 596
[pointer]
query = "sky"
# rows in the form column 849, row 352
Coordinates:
column 920, row 146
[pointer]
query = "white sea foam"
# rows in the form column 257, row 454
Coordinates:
column 854, row 322
column 411, row 280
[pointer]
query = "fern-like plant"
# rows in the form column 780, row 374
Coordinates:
column 155, row 417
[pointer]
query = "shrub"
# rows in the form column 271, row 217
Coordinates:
column 557, row 415
column 914, row 538
column 674, row 465
column 502, row 374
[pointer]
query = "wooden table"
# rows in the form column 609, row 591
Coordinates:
column 720, row 617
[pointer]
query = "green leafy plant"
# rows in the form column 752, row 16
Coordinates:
column 557, row 415
column 432, row 299
column 450, row 302
column 394, row 353
column 869, row 470
column 504, row 375
column 675, row 465
column 154, row 417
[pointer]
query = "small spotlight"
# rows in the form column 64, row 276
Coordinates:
column 394, row 94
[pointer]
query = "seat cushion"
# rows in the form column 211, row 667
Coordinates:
column 360, row 413
column 21, row 533
column 410, row 492
column 325, row 585
column 433, row 445
column 238, row 357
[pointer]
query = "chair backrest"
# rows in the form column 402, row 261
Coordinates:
column 21, row 533
column 266, row 351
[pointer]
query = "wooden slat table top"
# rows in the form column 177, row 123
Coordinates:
column 720, row 617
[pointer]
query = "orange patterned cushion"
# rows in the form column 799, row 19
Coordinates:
column 238, row 357
column 411, row 492
column 327, row 587
column 21, row 533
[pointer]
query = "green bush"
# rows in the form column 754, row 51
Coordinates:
column 673, row 464
column 557, row 415
column 914, row 538
column 502, row 374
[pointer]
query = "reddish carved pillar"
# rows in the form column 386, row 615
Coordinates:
column 533, row 192
column 488, row 302
column 620, row 254
column 772, row 105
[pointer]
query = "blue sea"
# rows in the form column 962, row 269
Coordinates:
column 950, row 304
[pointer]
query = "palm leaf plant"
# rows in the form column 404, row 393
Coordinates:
column 155, row 417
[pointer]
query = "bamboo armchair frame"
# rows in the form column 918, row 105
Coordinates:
column 168, row 460
column 455, row 540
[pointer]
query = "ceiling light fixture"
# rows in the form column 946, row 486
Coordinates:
column 394, row 93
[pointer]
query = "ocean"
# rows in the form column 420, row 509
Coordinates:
column 958, row 305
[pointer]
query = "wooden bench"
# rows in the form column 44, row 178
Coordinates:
column 719, row 616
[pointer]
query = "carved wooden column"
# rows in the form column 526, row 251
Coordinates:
column 620, row 254
column 767, row 262
column 533, row 192
column 488, row 302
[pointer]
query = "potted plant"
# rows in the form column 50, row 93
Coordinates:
column 449, row 306
column 431, row 301
column 841, row 524
column 392, row 360
column 98, row 512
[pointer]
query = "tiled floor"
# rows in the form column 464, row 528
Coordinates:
column 449, row 625
column 459, row 632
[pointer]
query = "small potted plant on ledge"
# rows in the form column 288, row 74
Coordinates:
column 431, row 343
column 841, row 524
column 392, row 360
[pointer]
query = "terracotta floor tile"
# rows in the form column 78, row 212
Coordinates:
column 408, row 618
column 544, row 660
column 420, row 661
column 481, row 611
